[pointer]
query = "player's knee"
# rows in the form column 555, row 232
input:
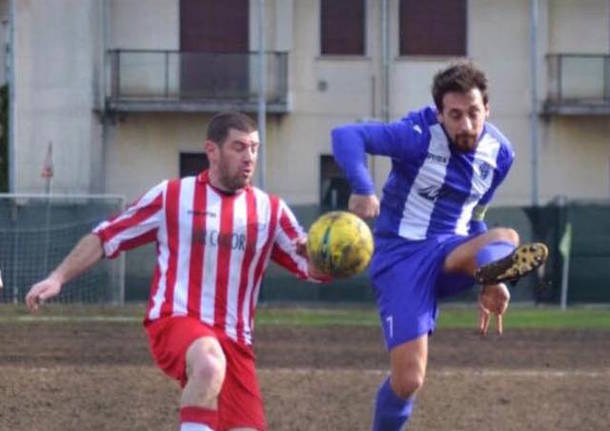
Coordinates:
column 506, row 234
column 208, row 371
column 407, row 385
column 206, row 366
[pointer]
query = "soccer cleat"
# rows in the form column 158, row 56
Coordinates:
column 523, row 260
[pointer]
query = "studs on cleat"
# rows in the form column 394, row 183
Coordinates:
column 522, row 261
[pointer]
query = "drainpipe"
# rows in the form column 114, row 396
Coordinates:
column 262, row 108
column 105, row 85
column 11, row 101
column 534, row 99
column 385, row 50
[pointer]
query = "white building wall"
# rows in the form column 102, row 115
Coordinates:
column 145, row 148
column 54, row 93
column 579, row 26
column 150, row 24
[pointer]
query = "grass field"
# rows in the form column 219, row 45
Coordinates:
column 451, row 316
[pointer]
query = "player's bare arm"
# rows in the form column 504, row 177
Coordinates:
column 83, row 256
column 365, row 206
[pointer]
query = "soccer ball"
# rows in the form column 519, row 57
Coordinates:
column 339, row 244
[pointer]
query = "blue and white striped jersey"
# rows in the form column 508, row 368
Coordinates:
column 432, row 189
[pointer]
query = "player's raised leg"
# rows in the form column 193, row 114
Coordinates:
column 205, row 373
column 396, row 396
column 495, row 256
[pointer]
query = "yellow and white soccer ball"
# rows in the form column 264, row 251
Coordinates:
column 340, row 244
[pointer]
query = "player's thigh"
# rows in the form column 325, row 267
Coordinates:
column 464, row 257
column 404, row 276
column 170, row 338
column 408, row 363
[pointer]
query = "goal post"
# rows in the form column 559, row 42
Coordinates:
column 38, row 230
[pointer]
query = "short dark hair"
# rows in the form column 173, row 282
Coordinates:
column 219, row 126
column 461, row 78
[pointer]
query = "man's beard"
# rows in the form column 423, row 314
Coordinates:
column 231, row 182
column 466, row 142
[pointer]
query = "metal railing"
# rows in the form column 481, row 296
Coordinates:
column 580, row 78
column 169, row 77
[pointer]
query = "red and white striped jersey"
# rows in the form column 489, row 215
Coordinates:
column 212, row 249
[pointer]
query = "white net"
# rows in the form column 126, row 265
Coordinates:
column 38, row 231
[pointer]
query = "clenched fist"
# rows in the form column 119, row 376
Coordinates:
column 364, row 206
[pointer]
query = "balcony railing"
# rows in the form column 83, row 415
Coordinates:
column 146, row 80
column 578, row 84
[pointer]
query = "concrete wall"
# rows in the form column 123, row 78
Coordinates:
column 55, row 94
column 579, row 26
column 150, row 24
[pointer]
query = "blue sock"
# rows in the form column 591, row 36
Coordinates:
column 391, row 411
column 494, row 251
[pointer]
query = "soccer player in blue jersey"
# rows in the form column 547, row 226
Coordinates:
column 430, row 237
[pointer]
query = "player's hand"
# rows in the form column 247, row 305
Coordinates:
column 364, row 206
column 41, row 291
column 312, row 271
column 493, row 299
column 301, row 246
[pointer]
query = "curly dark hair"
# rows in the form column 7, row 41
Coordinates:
column 219, row 126
column 461, row 78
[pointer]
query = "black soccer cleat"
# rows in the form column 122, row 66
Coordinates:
column 523, row 260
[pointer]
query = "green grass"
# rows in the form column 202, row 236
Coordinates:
column 450, row 316
column 533, row 318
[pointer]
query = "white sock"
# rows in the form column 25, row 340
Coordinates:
column 191, row 426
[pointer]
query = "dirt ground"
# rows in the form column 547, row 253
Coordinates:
column 99, row 376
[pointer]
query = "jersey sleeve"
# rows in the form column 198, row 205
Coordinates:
column 284, row 251
column 352, row 142
column 135, row 226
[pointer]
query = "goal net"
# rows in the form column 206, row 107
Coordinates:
column 38, row 231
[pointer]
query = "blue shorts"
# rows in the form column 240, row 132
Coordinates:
column 408, row 279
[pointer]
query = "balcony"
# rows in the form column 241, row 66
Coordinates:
column 174, row 81
column 578, row 84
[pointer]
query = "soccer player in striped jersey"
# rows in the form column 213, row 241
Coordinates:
column 430, row 237
column 215, row 235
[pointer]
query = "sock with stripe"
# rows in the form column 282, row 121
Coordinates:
column 194, row 418
column 493, row 251
column 391, row 411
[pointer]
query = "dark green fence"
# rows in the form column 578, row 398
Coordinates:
column 589, row 276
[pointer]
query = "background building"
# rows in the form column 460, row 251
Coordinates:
column 124, row 88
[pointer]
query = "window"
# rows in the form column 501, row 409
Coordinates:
column 433, row 27
column 191, row 164
column 334, row 188
column 342, row 27
column 214, row 44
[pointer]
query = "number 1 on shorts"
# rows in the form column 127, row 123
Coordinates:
column 390, row 326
